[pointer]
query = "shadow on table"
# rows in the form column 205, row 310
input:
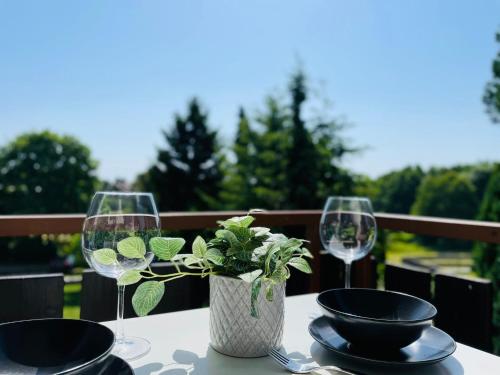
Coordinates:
column 187, row 362
column 450, row 366
column 148, row 368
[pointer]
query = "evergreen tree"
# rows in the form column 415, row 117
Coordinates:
column 302, row 170
column 271, row 146
column 238, row 186
column 187, row 173
column 331, row 148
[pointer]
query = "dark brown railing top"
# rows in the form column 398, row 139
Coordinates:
column 25, row 225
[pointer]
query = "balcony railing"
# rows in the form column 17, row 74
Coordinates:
column 27, row 225
column 458, row 299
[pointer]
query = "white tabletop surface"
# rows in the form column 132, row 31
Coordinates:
column 180, row 346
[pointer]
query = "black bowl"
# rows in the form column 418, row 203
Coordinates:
column 52, row 346
column 376, row 319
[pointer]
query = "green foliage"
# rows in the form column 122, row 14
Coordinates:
column 105, row 256
column 397, row 190
column 165, row 248
column 271, row 144
column 238, row 186
column 446, row 194
column 187, row 173
column 303, row 156
column 131, row 247
column 289, row 161
column 487, row 255
column 147, row 296
column 491, row 97
column 129, row 277
column 42, row 172
column 45, row 173
column 254, row 255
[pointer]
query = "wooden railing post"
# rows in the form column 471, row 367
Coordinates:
column 312, row 235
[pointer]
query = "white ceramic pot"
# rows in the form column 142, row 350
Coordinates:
column 233, row 331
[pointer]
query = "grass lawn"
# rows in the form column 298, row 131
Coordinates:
column 402, row 245
column 72, row 301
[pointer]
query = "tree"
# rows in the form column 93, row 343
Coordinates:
column 491, row 96
column 447, row 194
column 487, row 255
column 397, row 190
column 287, row 162
column 271, row 146
column 43, row 172
column 187, row 173
column 301, row 172
column 239, row 181
column 46, row 173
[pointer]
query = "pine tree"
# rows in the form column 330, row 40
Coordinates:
column 271, row 145
column 302, row 169
column 238, row 193
column 187, row 173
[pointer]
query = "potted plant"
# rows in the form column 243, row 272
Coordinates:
column 248, row 268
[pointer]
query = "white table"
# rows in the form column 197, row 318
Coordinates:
column 180, row 346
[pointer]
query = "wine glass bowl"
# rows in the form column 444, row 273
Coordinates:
column 115, row 239
column 348, row 229
column 107, row 230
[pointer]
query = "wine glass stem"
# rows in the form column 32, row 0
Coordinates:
column 347, row 274
column 119, row 314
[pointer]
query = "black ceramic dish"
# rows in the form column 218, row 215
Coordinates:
column 433, row 346
column 52, row 346
column 376, row 318
column 111, row 365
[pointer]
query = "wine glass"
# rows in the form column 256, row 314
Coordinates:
column 111, row 218
column 348, row 230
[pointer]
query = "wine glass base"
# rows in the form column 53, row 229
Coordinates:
column 130, row 348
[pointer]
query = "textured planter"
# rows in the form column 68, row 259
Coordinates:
column 233, row 331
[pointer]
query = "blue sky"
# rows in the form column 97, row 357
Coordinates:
column 408, row 75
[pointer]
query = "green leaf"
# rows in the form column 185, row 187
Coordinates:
column 273, row 249
column 238, row 221
column 242, row 234
column 228, row 236
column 301, row 264
column 132, row 247
column 147, row 296
column 260, row 231
column 105, row 256
column 215, row 256
column 249, row 277
column 244, row 221
column 257, row 283
column 292, row 244
column 129, row 277
column 199, row 247
column 280, row 275
column 303, row 251
column 166, row 248
column 269, row 292
column 190, row 260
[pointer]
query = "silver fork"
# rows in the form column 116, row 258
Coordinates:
column 300, row 368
